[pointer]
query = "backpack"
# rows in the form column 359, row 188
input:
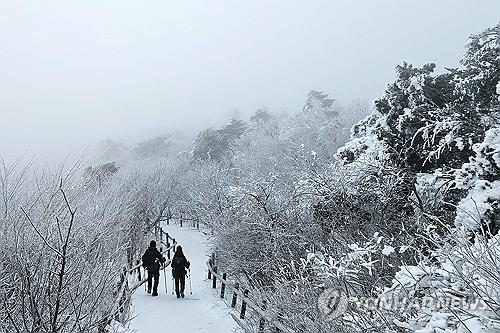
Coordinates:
column 177, row 263
column 146, row 259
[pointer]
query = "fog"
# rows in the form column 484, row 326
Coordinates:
column 75, row 72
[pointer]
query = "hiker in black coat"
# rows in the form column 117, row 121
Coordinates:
column 179, row 266
column 152, row 260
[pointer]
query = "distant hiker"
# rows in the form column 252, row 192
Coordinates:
column 179, row 266
column 152, row 260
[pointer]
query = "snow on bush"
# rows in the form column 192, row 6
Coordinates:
column 442, row 132
column 480, row 177
column 483, row 199
column 364, row 144
column 458, row 291
column 484, row 164
column 498, row 90
column 360, row 260
column 431, row 188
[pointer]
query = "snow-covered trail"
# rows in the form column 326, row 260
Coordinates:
column 203, row 311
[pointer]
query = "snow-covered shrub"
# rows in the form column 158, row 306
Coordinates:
column 498, row 90
column 364, row 144
column 458, row 291
column 60, row 253
column 481, row 178
column 67, row 234
column 439, row 134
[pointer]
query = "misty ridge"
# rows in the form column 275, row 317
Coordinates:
column 211, row 143
column 312, row 214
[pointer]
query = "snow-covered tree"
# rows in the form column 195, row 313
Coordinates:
column 155, row 147
column 213, row 145
column 439, row 133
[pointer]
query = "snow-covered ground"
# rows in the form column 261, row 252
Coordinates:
column 203, row 311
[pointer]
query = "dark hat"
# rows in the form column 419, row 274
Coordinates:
column 152, row 244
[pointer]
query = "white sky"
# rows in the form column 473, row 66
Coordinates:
column 75, row 72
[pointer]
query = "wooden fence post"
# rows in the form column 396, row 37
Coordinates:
column 138, row 269
column 120, row 302
column 244, row 305
column 223, row 287
column 235, row 296
column 262, row 321
column 161, row 234
column 214, row 279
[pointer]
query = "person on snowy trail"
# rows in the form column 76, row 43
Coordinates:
column 179, row 266
column 152, row 261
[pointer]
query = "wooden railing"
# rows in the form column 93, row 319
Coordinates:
column 238, row 294
column 265, row 318
column 121, row 304
column 164, row 239
column 182, row 217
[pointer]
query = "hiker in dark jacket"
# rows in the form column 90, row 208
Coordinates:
column 179, row 266
column 152, row 260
